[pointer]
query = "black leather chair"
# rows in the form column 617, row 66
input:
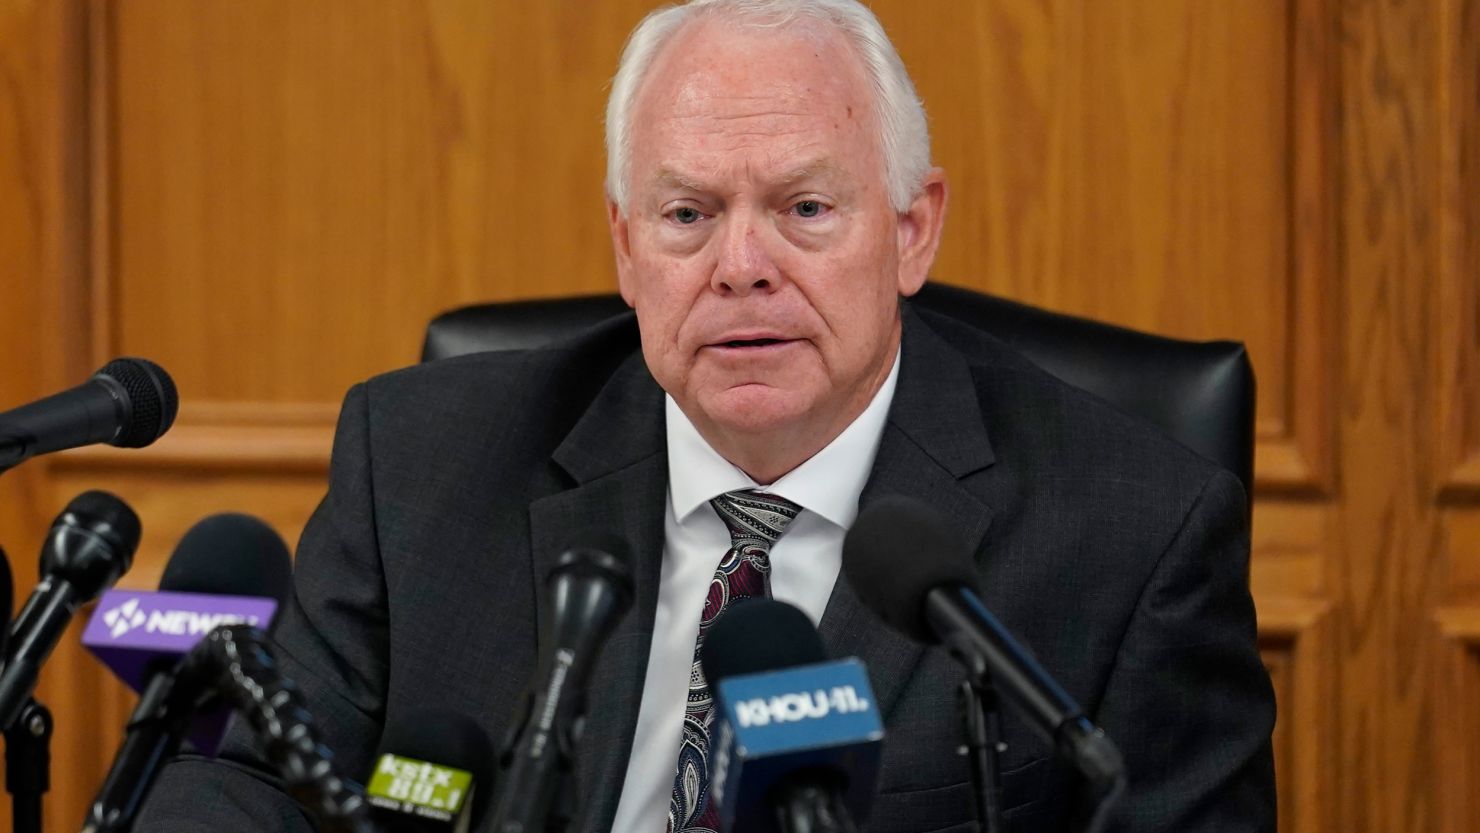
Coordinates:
column 1199, row 393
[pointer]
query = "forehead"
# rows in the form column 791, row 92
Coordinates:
column 718, row 95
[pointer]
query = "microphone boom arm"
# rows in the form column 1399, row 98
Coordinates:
column 234, row 663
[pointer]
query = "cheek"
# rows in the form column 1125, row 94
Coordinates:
column 859, row 308
column 857, row 294
column 665, row 302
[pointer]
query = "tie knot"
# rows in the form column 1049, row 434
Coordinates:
column 756, row 519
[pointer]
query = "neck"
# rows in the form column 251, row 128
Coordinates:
column 767, row 459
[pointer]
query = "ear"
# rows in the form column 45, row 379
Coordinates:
column 919, row 232
column 622, row 247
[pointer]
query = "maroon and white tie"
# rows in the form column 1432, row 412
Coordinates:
column 755, row 521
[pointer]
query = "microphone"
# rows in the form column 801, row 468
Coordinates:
column 234, row 665
column 91, row 544
column 130, row 403
column 931, row 597
column 434, row 774
column 228, row 568
column 797, row 737
column 586, row 593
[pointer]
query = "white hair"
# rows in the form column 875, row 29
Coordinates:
column 904, row 136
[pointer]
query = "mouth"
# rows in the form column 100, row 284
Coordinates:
column 752, row 346
column 752, row 342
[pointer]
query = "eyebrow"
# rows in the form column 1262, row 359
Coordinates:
column 817, row 168
column 824, row 166
column 668, row 176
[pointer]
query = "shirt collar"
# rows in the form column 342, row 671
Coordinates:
column 828, row 483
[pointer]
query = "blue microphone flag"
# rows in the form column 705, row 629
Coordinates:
column 773, row 724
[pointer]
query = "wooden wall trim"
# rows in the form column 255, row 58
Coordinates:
column 1391, row 567
column 1457, row 687
column 1294, row 455
column 97, row 348
column 1287, row 619
column 1460, row 625
column 249, row 437
column 1300, row 629
column 1458, row 98
column 237, row 448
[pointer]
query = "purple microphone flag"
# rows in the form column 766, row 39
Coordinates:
column 131, row 629
column 135, row 631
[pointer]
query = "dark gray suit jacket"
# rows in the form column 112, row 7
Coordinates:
column 1117, row 555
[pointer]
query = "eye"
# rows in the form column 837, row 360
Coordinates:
column 809, row 208
column 686, row 215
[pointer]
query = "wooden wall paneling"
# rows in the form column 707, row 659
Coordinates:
column 25, row 225
column 1164, row 166
column 297, row 189
column 171, row 500
column 1457, row 674
column 1457, row 463
column 44, row 161
column 1279, row 662
column 1295, row 641
column 92, row 343
column 1291, row 551
column 1295, row 451
column 271, row 198
column 1457, row 754
column 1459, row 237
column 1389, row 564
column 43, row 141
column 44, row 320
column 309, row 183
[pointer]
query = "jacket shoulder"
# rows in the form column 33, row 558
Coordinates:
column 459, row 415
column 1054, row 429
column 551, row 385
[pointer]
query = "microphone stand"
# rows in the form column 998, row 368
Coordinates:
column 982, row 724
column 28, row 765
column 567, row 797
column 1094, row 801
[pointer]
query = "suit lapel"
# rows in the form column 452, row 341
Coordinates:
column 617, row 456
column 933, row 444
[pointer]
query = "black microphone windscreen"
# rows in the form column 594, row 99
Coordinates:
column 759, row 635
column 603, row 552
column 230, row 555
column 897, row 551
column 106, row 516
column 446, row 738
column 153, row 400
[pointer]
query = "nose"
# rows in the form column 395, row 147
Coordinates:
column 743, row 265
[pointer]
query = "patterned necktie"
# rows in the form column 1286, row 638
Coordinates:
column 755, row 521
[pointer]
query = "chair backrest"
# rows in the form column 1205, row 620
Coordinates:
column 1199, row 393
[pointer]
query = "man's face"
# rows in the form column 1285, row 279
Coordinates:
column 759, row 246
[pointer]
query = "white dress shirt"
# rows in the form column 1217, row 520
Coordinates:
column 805, row 563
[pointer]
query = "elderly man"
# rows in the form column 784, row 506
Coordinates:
column 771, row 203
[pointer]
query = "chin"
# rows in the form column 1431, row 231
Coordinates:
column 755, row 409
